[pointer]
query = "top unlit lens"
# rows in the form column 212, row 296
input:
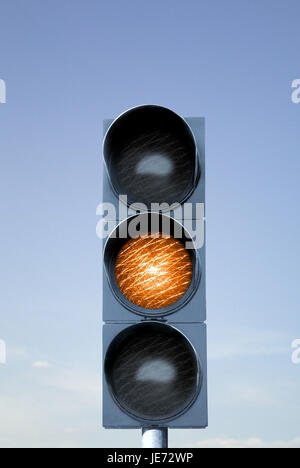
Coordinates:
column 151, row 156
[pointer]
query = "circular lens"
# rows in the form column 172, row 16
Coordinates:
column 152, row 371
column 151, row 156
column 153, row 272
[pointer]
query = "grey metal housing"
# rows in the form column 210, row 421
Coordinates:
column 194, row 417
column 189, row 319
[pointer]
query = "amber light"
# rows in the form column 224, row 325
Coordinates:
column 153, row 272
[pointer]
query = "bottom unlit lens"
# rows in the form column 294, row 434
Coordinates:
column 152, row 371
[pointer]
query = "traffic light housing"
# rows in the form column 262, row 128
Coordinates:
column 154, row 306
column 146, row 393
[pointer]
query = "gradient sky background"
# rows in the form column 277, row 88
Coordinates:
column 68, row 64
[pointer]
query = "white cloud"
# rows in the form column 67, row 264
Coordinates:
column 41, row 365
column 29, row 423
column 60, row 408
column 253, row 442
column 17, row 353
column 71, row 430
column 245, row 343
column 20, row 422
column 254, row 395
column 76, row 382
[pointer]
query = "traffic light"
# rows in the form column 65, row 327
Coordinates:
column 154, row 307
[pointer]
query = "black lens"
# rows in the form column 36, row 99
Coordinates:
column 151, row 156
column 152, row 371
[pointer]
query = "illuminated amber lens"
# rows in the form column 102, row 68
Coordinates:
column 153, row 272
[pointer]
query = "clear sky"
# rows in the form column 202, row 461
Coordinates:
column 68, row 64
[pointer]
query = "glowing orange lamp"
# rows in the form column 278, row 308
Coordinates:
column 153, row 271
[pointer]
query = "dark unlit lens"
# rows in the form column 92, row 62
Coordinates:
column 151, row 156
column 152, row 371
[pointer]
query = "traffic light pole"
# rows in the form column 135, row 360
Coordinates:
column 155, row 437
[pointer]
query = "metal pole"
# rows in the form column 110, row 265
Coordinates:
column 155, row 437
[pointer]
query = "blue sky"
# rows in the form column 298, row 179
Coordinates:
column 68, row 64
